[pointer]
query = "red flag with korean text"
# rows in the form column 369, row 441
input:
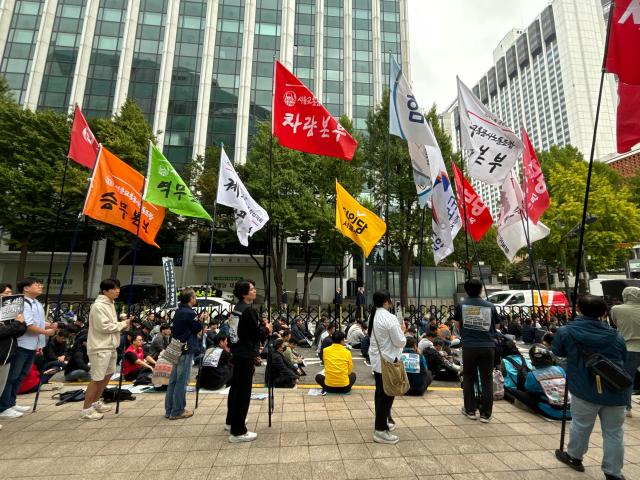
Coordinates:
column 479, row 217
column 114, row 198
column 300, row 122
column 536, row 193
column 624, row 41
column 83, row 147
column 628, row 117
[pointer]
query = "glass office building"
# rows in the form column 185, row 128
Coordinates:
column 200, row 70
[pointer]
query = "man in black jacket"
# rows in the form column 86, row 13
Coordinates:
column 217, row 370
column 244, row 334
column 185, row 328
column 284, row 376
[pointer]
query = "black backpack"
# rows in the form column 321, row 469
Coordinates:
column 522, row 370
column 110, row 395
column 70, row 396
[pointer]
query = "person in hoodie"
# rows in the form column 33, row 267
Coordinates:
column 102, row 343
column 591, row 397
column 627, row 318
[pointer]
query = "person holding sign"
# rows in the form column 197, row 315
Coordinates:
column 416, row 366
column 10, row 330
column 34, row 338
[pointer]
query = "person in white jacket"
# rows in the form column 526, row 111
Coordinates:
column 387, row 341
column 102, row 342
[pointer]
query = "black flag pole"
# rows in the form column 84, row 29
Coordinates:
column 585, row 205
column 133, row 270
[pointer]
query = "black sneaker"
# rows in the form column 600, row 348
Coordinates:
column 608, row 476
column 567, row 459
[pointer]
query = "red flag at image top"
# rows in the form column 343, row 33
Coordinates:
column 624, row 42
column 478, row 215
column 301, row 122
column 83, row 147
column 628, row 117
column 537, row 200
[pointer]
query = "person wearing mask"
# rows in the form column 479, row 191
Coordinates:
column 476, row 320
column 416, row 366
column 590, row 396
column 245, row 346
column 387, row 339
column 9, row 333
column 626, row 317
column 217, row 369
column 33, row 339
column 186, row 329
column 339, row 376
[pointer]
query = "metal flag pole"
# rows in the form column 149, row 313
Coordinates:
column 133, row 270
column 467, row 267
column 585, row 205
column 386, row 207
column 55, row 232
column 420, row 254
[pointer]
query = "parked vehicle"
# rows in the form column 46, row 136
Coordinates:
column 612, row 289
column 522, row 298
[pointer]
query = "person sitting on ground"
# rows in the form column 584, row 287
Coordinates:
column 547, row 339
column 412, row 331
column 292, row 357
column 515, row 327
column 55, row 351
column 356, row 334
column 514, row 368
column 528, row 332
column 415, row 365
column 339, row 376
column 217, row 369
column 283, row 375
column 426, row 340
column 441, row 368
column 78, row 369
column 326, row 339
column 321, row 326
column 135, row 361
column 298, row 333
column 546, row 384
column 160, row 341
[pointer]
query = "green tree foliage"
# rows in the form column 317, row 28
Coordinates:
column 299, row 192
column 609, row 200
column 33, row 149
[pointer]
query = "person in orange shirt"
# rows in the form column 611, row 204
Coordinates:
column 339, row 376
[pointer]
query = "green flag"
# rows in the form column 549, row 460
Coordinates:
column 165, row 188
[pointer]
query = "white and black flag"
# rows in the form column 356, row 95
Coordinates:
column 493, row 147
column 250, row 217
column 170, row 283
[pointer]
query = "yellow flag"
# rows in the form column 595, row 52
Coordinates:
column 362, row 226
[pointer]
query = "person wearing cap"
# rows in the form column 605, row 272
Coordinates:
column 546, row 383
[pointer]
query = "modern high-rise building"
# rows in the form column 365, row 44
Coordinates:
column 201, row 71
column 545, row 78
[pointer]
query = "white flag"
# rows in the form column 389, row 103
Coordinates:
column 407, row 122
column 250, row 217
column 511, row 227
column 494, row 147
column 446, row 222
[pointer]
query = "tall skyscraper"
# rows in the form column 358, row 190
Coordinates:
column 201, row 70
column 545, row 78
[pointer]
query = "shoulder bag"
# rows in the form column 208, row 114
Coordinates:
column 394, row 377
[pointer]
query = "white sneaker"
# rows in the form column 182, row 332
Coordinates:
column 392, row 426
column 385, row 437
column 228, row 427
column 11, row 413
column 247, row 437
column 90, row 414
column 100, row 407
column 21, row 408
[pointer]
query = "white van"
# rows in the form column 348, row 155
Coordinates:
column 522, row 298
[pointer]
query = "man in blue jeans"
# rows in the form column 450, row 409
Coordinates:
column 35, row 337
column 590, row 396
column 186, row 329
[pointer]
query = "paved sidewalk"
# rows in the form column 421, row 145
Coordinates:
column 311, row 438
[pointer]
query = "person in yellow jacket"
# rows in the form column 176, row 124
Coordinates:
column 339, row 376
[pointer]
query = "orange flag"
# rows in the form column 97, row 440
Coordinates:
column 114, row 198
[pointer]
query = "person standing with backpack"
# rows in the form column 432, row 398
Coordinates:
column 591, row 395
column 244, row 334
column 476, row 320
